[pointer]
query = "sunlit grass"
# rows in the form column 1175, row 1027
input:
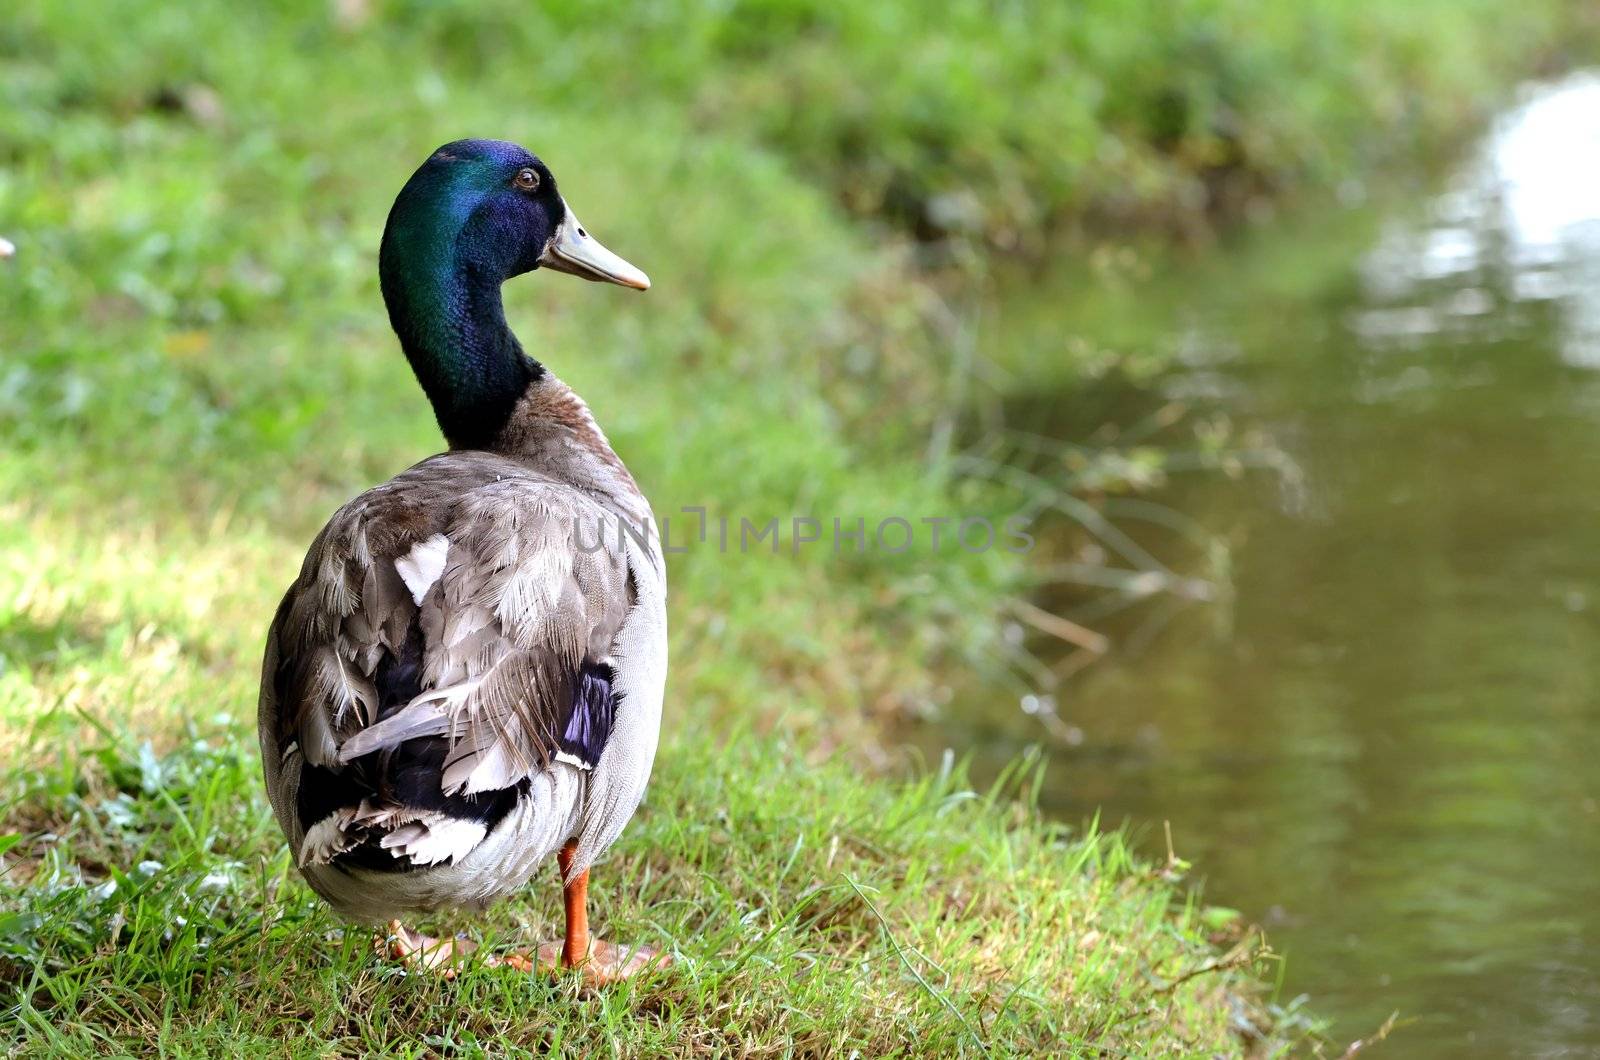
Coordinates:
column 205, row 373
column 148, row 901
column 152, row 906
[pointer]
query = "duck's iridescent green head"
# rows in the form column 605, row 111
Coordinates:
column 493, row 207
column 475, row 214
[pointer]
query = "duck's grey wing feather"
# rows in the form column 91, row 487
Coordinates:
column 454, row 617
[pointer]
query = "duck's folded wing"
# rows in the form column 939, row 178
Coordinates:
column 450, row 634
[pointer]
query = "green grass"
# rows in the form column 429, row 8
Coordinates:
column 196, row 370
column 841, row 916
column 147, row 900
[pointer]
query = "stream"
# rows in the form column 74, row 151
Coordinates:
column 1382, row 742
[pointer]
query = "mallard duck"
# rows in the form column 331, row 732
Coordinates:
column 466, row 677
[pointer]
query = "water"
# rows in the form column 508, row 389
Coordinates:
column 1386, row 749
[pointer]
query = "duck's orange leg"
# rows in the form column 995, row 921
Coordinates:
column 599, row 960
column 575, row 899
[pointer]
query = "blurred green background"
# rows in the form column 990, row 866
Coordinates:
column 1065, row 260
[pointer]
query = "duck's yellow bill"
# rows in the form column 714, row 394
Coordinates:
column 575, row 251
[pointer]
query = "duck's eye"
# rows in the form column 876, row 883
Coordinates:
column 527, row 178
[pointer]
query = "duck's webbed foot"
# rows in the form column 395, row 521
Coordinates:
column 599, row 961
column 424, row 953
column 606, row 962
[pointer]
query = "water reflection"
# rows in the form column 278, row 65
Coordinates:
column 1523, row 217
column 1390, row 754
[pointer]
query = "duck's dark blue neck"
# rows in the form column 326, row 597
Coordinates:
column 452, row 326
